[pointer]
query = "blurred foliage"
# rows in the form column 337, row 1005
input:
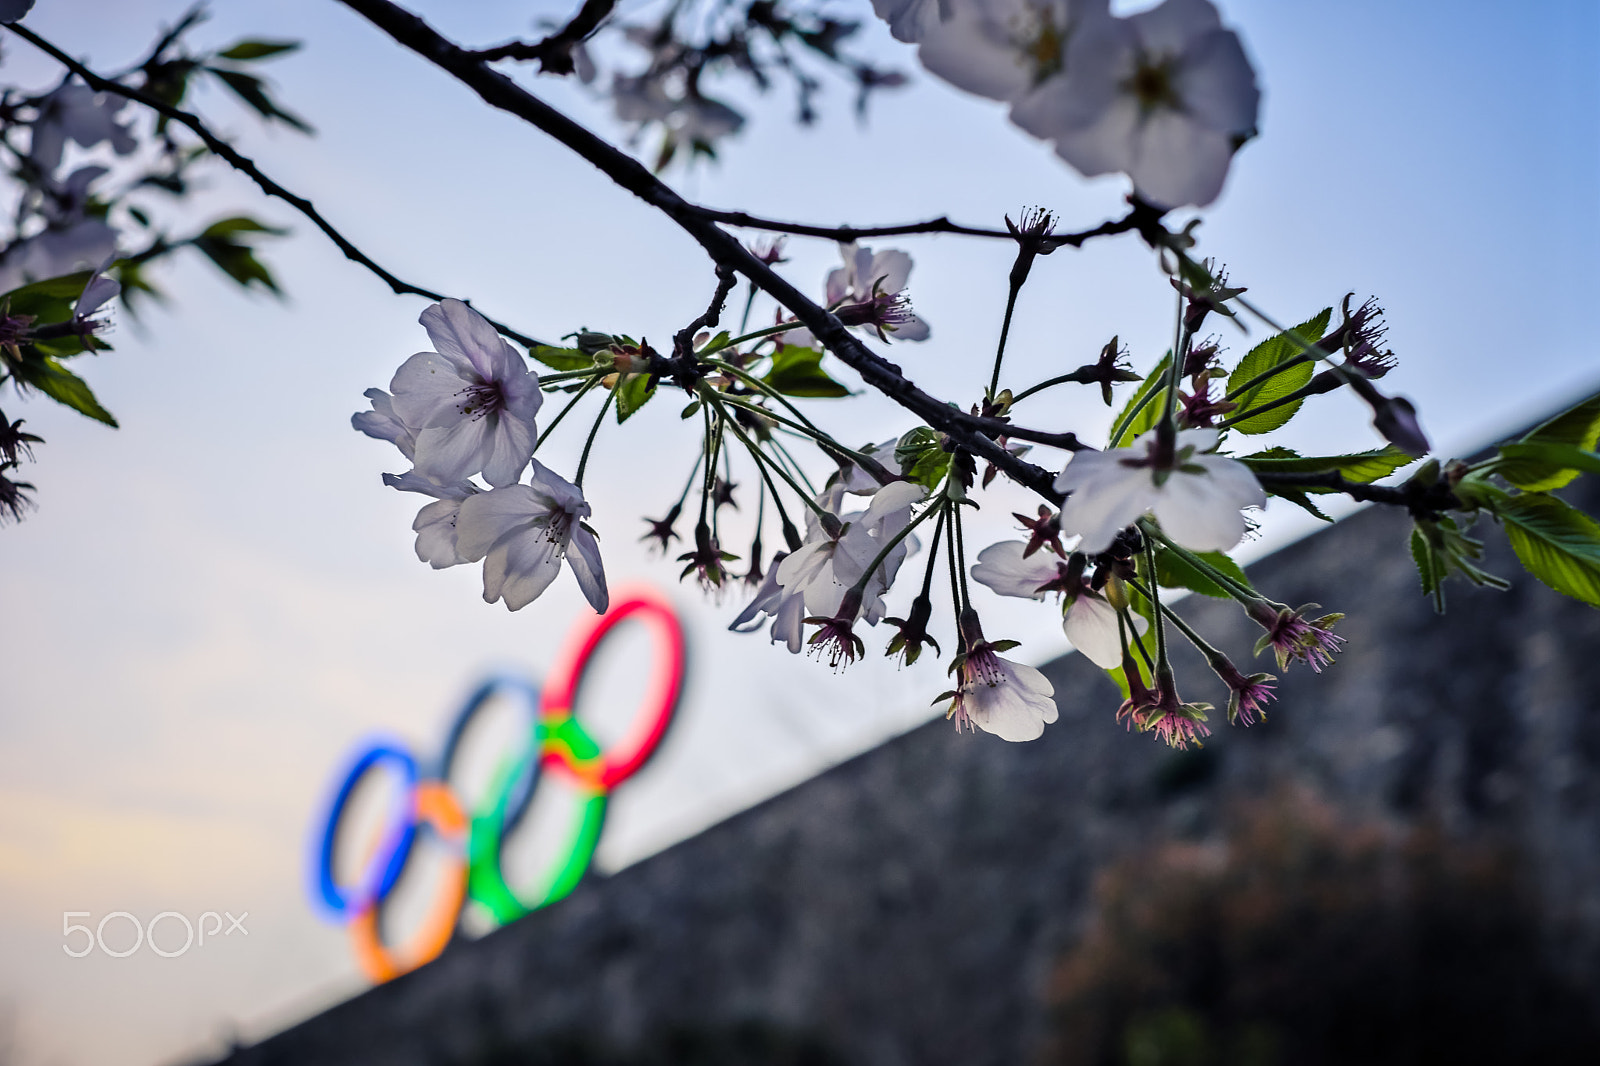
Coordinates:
column 1304, row 940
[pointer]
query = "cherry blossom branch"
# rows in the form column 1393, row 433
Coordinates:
column 1136, row 219
column 1421, row 499
column 554, row 53
column 247, row 167
column 500, row 92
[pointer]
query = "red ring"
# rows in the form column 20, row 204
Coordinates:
column 625, row 758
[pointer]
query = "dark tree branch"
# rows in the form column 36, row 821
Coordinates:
column 1133, row 220
column 1422, row 500
column 554, row 53
column 501, row 92
column 246, row 166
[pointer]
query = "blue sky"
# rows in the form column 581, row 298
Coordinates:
column 216, row 600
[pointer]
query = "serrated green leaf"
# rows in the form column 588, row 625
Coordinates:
column 1135, row 419
column 1273, row 352
column 1359, row 466
column 921, row 458
column 798, row 372
column 63, row 386
column 1577, row 427
column 633, row 394
column 1300, row 499
column 247, row 50
column 1557, row 544
column 561, row 358
column 1429, row 568
column 1175, row 572
column 1545, row 463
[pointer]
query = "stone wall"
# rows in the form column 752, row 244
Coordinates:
column 909, row 906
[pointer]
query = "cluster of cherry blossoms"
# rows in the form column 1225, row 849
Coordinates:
column 1165, row 96
column 466, row 410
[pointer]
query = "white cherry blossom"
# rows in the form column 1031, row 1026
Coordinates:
column 1088, row 620
column 1011, row 700
column 471, row 403
column 435, row 524
column 76, row 112
column 523, row 532
column 910, row 20
column 1005, row 49
column 383, row 424
column 1165, row 96
column 869, row 290
column 1197, row 498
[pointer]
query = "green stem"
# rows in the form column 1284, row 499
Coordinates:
column 1212, row 654
column 556, row 421
column 1242, row 593
column 806, row 428
column 961, row 547
column 1051, row 383
column 594, row 430
column 1005, row 330
column 933, row 552
column 781, row 327
column 713, row 399
column 1180, row 340
column 1293, row 397
column 1126, row 420
column 860, row 587
column 1163, row 667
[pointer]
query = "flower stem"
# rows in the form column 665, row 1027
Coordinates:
column 594, row 430
column 1212, row 654
column 1163, row 666
column 556, row 421
column 1123, row 423
column 933, row 553
column 712, row 398
column 1242, row 593
column 1005, row 331
column 861, row 586
column 1268, row 374
column 781, row 327
column 960, row 543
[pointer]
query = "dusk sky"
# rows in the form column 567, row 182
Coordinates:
column 213, row 603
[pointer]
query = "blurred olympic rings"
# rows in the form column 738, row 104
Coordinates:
column 554, row 742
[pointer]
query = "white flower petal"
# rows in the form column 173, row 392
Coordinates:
column 423, row 385
column 584, row 558
column 520, row 569
column 1091, row 626
column 459, row 332
column 490, row 517
column 435, row 527
column 1198, row 513
column 1003, row 569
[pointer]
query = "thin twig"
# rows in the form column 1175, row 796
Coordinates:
column 246, row 166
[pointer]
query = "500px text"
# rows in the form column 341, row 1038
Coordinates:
column 146, row 933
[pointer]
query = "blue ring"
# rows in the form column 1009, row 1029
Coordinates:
column 390, row 858
column 522, row 798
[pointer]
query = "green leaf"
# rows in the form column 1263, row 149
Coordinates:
column 562, row 358
column 236, row 260
column 1300, row 499
column 253, row 92
column 50, row 300
column 633, row 394
column 247, row 50
column 63, row 386
column 1151, row 392
column 921, row 458
column 1174, row 571
column 1430, row 568
column 716, row 344
column 227, row 227
column 1273, row 352
column 1577, row 427
column 1557, row 544
column 798, row 372
column 1359, row 466
column 1546, row 463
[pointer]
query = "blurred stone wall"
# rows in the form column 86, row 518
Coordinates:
column 909, row 906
